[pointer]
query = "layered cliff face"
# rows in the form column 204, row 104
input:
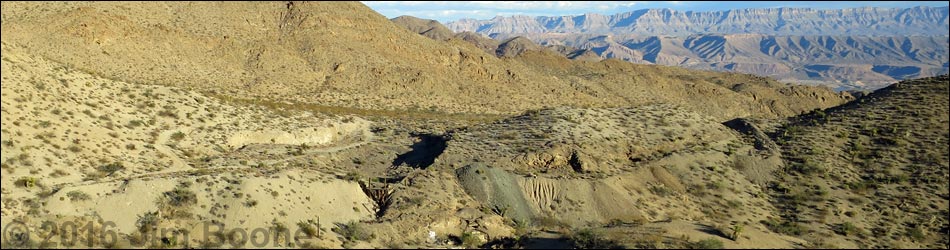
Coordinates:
column 862, row 48
column 771, row 21
column 841, row 61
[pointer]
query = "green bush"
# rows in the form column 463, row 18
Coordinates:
column 737, row 232
column 707, row 244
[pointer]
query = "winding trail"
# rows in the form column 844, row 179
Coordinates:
column 181, row 168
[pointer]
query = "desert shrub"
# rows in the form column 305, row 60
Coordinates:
column 733, row 204
column 784, row 227
column 847, row 229
column 736, row 232
column 111, row 168
column 134, row 123
column 915, row 234
column 716, row 185
column 808, row 167
column 147, row 221
column 469, row 240
column 180, row 196
column 862, row 186
column 168, row 113
column 353, row 231
column 77, row 195
column 26, row 181
column 58, row 173
column 661, row 190
column 741, row 162
column 307, row 228
column 590, row 239
column 352, row 176
column 707, row 244
column 178, row 136
column 520, row 226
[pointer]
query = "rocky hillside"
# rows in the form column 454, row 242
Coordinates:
column 325, row 125
column 871, row 173
column 865, row 48
column 339, row 54
column 85, row 149
column 429, row 28
column 507, row 48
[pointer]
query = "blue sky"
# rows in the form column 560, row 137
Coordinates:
column 451, row 11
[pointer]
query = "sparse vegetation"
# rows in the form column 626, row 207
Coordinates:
column 353, row 231
column 77, row 195
column 916, row 234
column 26, row 182
column 147, row 222
column 610, row 155
column 180, row 196
column 591, row 239
column 736, row 232
column 469, row 240
column 307, row 228
column 352, row 176
column 846, row 229
column 177, row 136
column 784, row 227
column 707, row 244
column 111, row 168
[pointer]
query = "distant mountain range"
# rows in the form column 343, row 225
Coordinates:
column 859, row 48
